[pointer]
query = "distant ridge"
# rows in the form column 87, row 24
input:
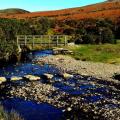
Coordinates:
column 107, row 9
column 13, row 11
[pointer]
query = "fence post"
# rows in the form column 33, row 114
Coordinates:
column 49, row 40
column 17, row 41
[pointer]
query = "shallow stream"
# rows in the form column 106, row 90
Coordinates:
column 78, row 86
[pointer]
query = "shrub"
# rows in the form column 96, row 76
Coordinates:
column 107, row 36
column 78, row 39
column 88, row 39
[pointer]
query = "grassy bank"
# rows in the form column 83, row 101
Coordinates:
column 9, row 116
column 107, row 53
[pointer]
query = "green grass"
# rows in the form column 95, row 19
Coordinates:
column 107, row 53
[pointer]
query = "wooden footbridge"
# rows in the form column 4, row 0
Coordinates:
column 42, row 40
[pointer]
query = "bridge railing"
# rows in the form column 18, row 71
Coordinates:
column 33, row 40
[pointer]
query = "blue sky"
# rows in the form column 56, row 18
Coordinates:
column 41, row 5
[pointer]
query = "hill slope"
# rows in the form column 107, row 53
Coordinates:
column 101, row 10
column 13, row 11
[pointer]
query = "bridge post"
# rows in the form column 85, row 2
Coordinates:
column 57, row 40
column 33, row 42
column 25, row 40
column 41, row 40
column 49, row 40
column 65, row 42
column 17, row 41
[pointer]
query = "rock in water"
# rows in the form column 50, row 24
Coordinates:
column 48, row 76
column 2, row 79
column 66, row 75
column 32, row 77
column 69, row 109
column 15, row 78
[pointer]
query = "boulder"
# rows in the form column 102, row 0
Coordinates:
column 2, row 79
column 71, row 44
column 57, row 51
column 67, row 75
column 48, row 76
column 15, row 78
column 32, row 77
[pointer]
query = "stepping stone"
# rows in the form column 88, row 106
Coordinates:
column 32, row 77
column 67, row 76
column 15, row 78
column 2, row 79
column 48, row 76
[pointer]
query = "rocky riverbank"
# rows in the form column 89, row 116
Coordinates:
column 69, row 64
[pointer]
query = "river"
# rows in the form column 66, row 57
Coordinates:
column 78, row 86
column 30, row 110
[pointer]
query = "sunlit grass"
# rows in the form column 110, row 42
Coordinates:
column 107, row 53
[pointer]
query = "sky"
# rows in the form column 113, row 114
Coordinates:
column 43, row 5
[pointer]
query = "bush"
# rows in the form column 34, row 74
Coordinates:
column 88, row 39
column 78, row 39
column 107, row 36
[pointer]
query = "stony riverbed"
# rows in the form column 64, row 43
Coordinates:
column 70, row 86
column 74, row 96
